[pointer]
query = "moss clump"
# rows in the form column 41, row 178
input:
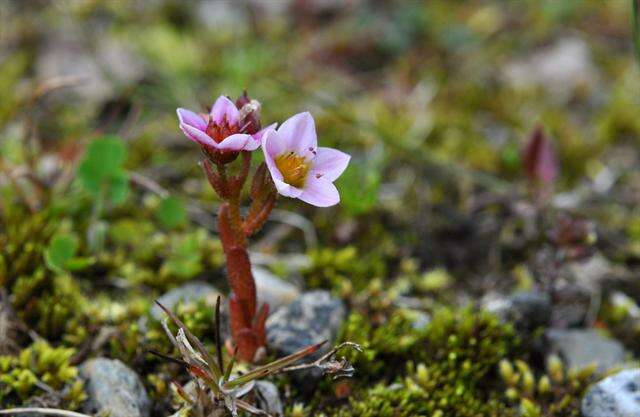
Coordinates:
column 456, row 355
column 384, row 346
column 427, row 391
column 159, row 259
column 38, row 369
column 53, row 305
column 556, row 393
column 133, row 338
column 23, row 242
column 51, row 302
column 335, row 268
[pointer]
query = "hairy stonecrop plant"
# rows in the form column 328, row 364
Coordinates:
column 294, row 166
column 218, row 386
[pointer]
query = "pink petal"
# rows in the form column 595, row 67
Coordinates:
column 192, row 119
column 272, row 144
column 267, row 142
column 286, row 189
column 259, row 134
column 223, row 109
column 298, row 134
column 320, row 192
column 235, row 142
column 197, row 135
column 330, row 163
column 256, row 138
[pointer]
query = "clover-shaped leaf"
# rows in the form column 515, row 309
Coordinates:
column 60, row 255
column 101, row 170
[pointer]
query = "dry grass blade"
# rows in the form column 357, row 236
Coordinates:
column 39, row 410
column 243, row 405
column 210, row 361
column 182, row 393
column 218, row 337
column 168, row 358
column 232, row 362
column 272, row 367
column 337, row 368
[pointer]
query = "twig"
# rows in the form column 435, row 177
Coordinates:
column 299, row 222
column 148, row 184
column 340, row 368
column 45, row 411
column 56, row 83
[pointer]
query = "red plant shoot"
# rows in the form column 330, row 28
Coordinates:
column 540, row 163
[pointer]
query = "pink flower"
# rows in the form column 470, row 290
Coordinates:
column 299, row 168
column 226, row 128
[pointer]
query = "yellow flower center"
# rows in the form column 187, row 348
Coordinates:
column 294, row 168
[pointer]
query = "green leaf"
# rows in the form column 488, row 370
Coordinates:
column 172, row 213
column 101, row 170
column 118, row 188
column 61, row 250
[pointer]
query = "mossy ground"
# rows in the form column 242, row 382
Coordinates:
column 435, row 209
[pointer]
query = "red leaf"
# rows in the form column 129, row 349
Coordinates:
column 539, row 158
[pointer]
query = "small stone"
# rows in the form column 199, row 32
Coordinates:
column 582, row 348
column 526, row 310
column 561, row 69
column 614, row 396
column 114, row 389
column 312, row 318
column 273, row 290
column 592, row 272
column 268, row 398
column 190, row 292
column 571, row 303
column 119, row 60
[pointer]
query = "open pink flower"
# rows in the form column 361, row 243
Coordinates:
column 299, row 168
column 226, row 128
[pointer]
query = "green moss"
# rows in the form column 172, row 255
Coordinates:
column 456, row 355
column 158, row 259
column 425, row 391
column 342, row 269
column 37, row 368
column 384, row 346
column 555, row 393
column 23, row 241
column 52, row 304
column 132, row 339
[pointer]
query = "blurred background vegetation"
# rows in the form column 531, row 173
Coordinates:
column 434, row 100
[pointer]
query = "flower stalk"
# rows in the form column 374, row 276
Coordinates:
column 247, row 322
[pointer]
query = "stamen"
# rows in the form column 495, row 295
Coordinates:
column 294, row 168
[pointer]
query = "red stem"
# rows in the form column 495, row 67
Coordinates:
column 247, row 328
